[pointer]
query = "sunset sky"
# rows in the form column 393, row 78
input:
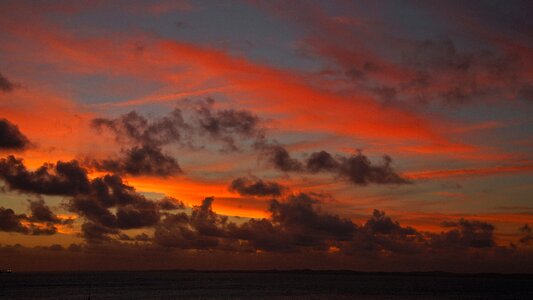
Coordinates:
column 365, row 135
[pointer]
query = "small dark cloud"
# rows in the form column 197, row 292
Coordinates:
column 228, row 124
column 40, row 212
column 280, row 158
column 95, row 233
column 138, row 130
column 11, row 138
column 256, row 187
column 11, row 222
column 321, row 161
column 170, row 203
column 359, row 170
column 5, row 84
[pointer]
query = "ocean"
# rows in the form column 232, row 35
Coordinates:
column 262, row 285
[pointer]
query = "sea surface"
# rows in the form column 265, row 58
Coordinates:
column 262, row 285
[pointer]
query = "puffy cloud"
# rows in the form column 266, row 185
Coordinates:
column 62, row 178
column 256, row 187
column 10, row 136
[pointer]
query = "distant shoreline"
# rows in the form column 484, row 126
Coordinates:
column 303, row 272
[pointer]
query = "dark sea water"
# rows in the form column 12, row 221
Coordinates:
column 261, row 285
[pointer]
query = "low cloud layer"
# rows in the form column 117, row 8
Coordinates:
column 298, row 223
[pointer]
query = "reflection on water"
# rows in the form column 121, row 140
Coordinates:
column 262, row 285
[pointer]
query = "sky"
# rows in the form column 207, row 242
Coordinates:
column 363, row 135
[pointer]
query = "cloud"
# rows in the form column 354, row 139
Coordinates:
column 137, row 129
column 360, row 171
column 225, row 125
column 105, row 202
column 11, row 138
column 280, row 158
column 256, row 187
column 40, row 212
column 10, row 222
column 62, row 178
column 5, row 84
column 144, row 160
column 41, row 221
column 357, row 168
column 170, row 203
column 321, row 161
column 465, row 233
column 143, row 139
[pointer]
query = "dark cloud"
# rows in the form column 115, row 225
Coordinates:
column 322, row 161
column 5, row 84
column 144, row 160
column 256, row 187
column 42, row 220
column 138, row 130
column 11, row 138
column 201, row 230
column 95, row 233
column 132, row 210
column 40, row 212
column 280, row 158
column 294, row 223
column 228, row 124
column 465, row 233
column 357, row 168
column 106, row 202
column 10, row 222
column 62, row 178
column 170, row 203
column 143, row 139
column 453, row 75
